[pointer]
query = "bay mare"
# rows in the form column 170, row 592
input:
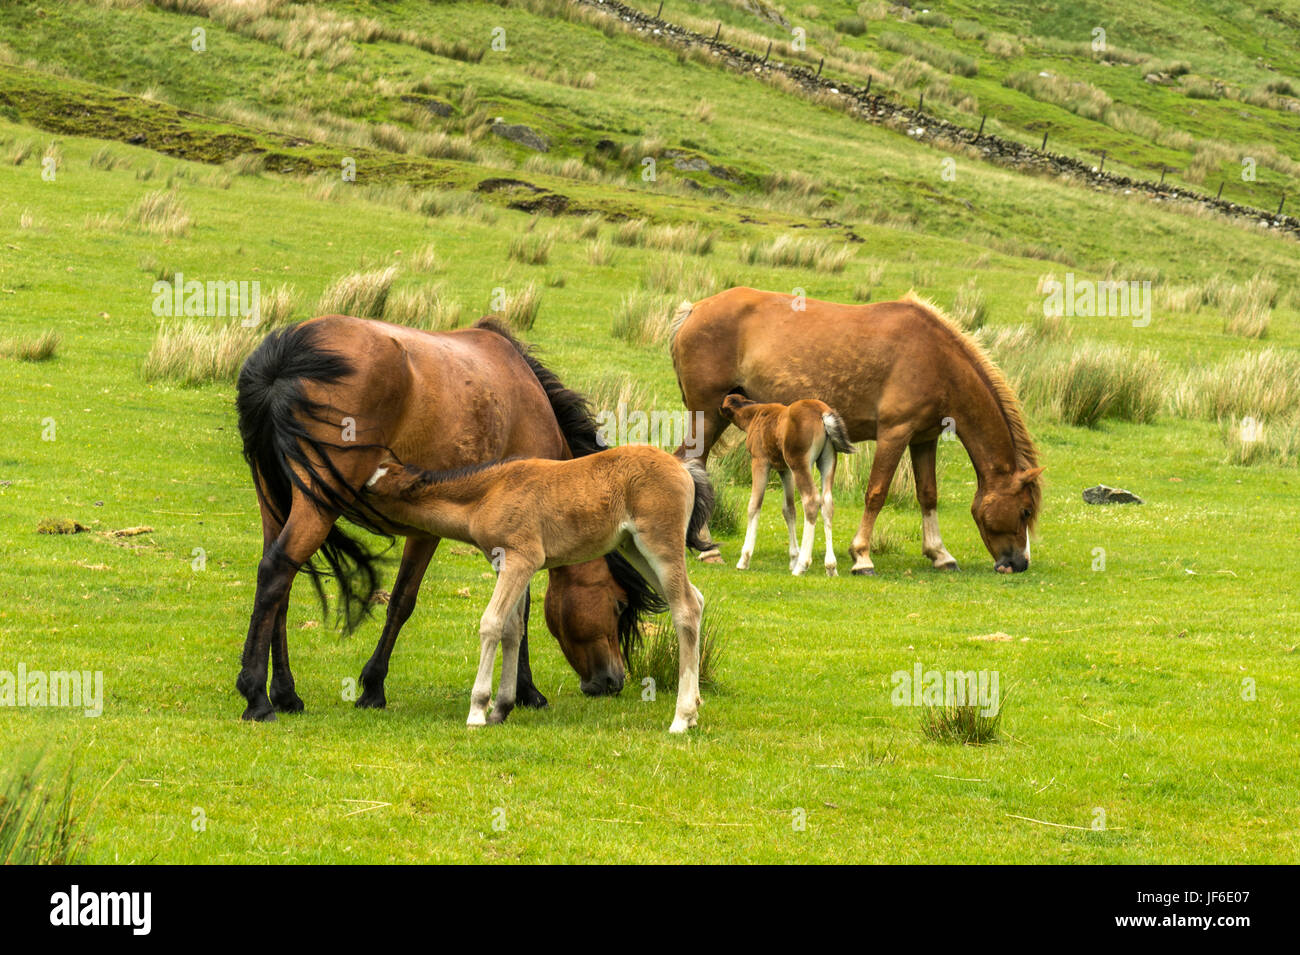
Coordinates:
column 899, row 373
column 320, row 403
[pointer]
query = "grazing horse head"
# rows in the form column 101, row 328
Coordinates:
column 598, row 626
column 1005, row 510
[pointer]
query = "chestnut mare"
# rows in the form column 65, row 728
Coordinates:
column 322, row 402
column 897, row 372
column 526, row 514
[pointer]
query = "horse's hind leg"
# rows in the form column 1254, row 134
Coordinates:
column 801, row 471
column 927, row 495
column 826, row 465
column 284, row 698
column 788, row 512
column 758, row 470
column 302, row 535
column 663, row 563
column 415, row 561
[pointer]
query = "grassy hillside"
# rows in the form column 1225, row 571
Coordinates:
column 1130, row 691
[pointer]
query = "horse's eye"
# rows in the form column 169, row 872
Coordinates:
column 1026, row 514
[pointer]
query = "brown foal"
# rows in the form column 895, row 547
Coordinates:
column 530, row 514
column 790, row 439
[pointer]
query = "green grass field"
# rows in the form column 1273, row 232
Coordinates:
column 1152, row 712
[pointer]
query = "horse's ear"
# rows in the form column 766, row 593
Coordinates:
column 1029, row 475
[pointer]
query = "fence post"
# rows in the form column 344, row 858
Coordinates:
column 1043, row 148
column 1219, row 194
column 1101, row 166
column 660, row 10
column 820, row 64
column 920, row 105
column 981, row 132
column 718, row 32
column 1162, row 175
column 768, row 53
column 868, row 92
column 1281, row 203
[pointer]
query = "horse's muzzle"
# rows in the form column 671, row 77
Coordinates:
column 603, row 684
column 1012, row 563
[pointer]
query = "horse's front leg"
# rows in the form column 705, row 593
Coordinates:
column 758, row 470
column 927, row 495
column 416, row 555
column 511, row 637
column 512, row 580
column 889, row 450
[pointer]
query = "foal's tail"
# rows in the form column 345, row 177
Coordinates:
column 702, row 509
column 838, row 433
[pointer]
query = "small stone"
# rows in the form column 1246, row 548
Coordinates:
column 1101, row 494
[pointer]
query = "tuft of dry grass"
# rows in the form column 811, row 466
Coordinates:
column 688, row 238
column 360, row 294
column 424, row 307
column 969, row 309
column 520, row 309
column 161, row 212
column 966, row 725
column 600, row 252
column 644, row 317
column 194, row 353
column 630, row 233
column 532, row 247
column 40, row 347
column 786, row 251
column 1261, row 384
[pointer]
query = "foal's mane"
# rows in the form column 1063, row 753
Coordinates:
column 1003, row 395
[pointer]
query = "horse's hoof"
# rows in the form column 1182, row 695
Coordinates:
column 950, row 565
column 532, row 698
column 259, row 712
column 864, row 571
column 832, row 571
column 498, row 715
column 712, row 557
column 289, row 702
column 371, row 700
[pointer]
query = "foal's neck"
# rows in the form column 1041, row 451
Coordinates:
column 444, row 501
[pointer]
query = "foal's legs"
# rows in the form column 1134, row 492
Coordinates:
column 826, row 465
column 889, row 450
column 662, row 562
column 302, row 534
column 415, row 561
column 758, row 470
column 927, row 495
column 788, row 512
column 510, row 639
column 512, row 582
column 801, row 470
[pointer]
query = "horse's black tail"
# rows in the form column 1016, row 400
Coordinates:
column 272, row 410
column 573, row 412
column 702, row 509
